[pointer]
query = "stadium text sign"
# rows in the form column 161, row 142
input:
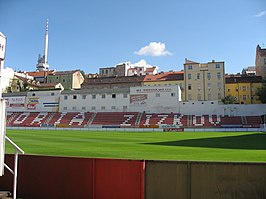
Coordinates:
column 153, row 90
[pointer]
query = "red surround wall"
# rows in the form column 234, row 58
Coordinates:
column 69, row 177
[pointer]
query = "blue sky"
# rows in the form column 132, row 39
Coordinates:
column 87, row 34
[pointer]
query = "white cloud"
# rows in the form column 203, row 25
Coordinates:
column 154, row 49
column 260, row 14
column 142, row 62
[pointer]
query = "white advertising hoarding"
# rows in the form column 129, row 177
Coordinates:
column 16, row 102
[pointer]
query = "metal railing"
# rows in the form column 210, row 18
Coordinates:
column 15, row 169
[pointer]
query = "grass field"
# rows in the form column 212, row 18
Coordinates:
column 207, row 146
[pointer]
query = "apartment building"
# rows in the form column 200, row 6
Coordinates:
column 69, row 79
column 243, row 88
column 260, row 61
column 166, row 79
column 204, row 81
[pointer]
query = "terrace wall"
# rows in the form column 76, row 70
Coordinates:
column 204, row 180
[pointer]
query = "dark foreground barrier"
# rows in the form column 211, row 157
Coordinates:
column 204, row 180
column 42, row 177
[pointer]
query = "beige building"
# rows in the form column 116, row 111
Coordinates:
column 68, row 79
column 120, row 70
column 260, row 61
column 204, row 81
column 128, row 69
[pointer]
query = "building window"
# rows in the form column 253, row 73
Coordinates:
column 219, row 96
column 64, row 80
column 93, row 96
column 198, row 75
column 244, row 97
column 172, row 94
column 33, row 94
column 65, row 97
column 113, row 96
column 264, row 60
column 83, row 108
column 113, row 107
column 125, row 95
column 190, row 67
column 219, row 85
column 209, row 96
column 199, row 97
column 65, row 108
column 189, row 87
column 209, row 75
column 83, row 96
column 244, row 88
column 217, row 66
column 219, row 75
column 103, row 96
column 157, row 95
column 189, row 97
column 52, row 94
column 236, row 89
column 74, row 108
column 228, row 90
column 93, row 108
column 124, row 108
column 252, row 88
column 74, row 97
column 209, row 86
column 102, row 107
column 189, row 76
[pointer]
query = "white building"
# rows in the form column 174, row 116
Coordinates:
column 136, row 99
column 151, row 99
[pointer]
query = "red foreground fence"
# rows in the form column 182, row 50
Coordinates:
column 42, row 177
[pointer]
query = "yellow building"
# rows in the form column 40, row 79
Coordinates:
column 243, row 88
column 204, row 81
column 166, row 78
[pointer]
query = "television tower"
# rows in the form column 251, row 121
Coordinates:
column 42, row 64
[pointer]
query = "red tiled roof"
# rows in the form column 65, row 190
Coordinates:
column 150, row 69
column 166, row 76
column 40, row 73
column 243, row 79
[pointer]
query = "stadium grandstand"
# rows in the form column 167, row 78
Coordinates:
column 134, row 107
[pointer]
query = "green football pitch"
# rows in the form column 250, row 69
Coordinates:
column 206, row 146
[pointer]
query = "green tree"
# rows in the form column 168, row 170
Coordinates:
column 262, row 91
column 24, row 86
column 229, row 99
